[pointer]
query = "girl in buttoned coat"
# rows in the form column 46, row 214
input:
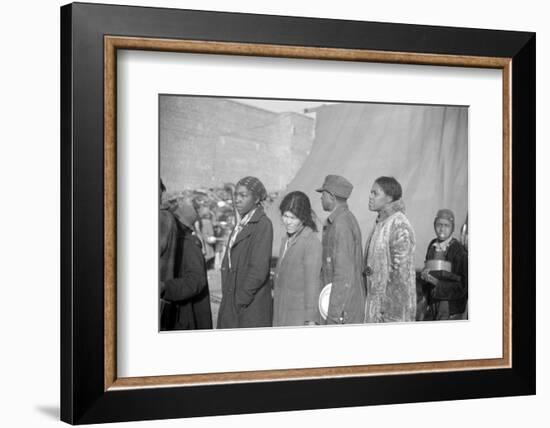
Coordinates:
column 246, row 286
column 297, row 282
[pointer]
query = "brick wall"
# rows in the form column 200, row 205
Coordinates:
column 205, row 142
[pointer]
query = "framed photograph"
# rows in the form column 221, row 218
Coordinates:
column 274, row 213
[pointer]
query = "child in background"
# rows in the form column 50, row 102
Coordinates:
column 447, row 290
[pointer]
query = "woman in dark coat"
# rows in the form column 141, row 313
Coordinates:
column 246, row 291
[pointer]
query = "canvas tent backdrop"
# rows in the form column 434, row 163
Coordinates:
column 424, row 147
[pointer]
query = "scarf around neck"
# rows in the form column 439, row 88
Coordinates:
column 443, row 245
column 240, row 225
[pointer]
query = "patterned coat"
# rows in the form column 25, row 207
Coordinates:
column 389, row 267
column 246, row 287
column 297, row 281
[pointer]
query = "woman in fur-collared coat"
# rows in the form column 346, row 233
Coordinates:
column 389, row 265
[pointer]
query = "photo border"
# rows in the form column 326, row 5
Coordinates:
column 91, row 391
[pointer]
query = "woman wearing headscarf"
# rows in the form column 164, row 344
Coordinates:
column 297, row 279
column 246, row 292
column 389, row 265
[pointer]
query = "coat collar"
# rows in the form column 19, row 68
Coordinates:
column 246, row 231
column 259, row 213
column 304, row 233
column 339, row 210
column 444, row 245
column 390, row 209
column 288, row 242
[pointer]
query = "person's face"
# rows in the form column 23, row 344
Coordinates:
column 443, row 229
column 327, row 201
column 244, row 200
column 377, row 198
column 291, row 222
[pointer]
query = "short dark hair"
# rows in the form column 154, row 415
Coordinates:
column 298, row 204
column 162, row 186
column 390, row 186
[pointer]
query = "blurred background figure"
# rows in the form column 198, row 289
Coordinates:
column 297, row 277
column 208, row 238
column 464, row 234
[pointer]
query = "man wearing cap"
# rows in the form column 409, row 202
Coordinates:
column 447, row 291
column 186, row 287
column 342, row 254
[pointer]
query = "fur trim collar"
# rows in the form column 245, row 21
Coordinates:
column 390, row 209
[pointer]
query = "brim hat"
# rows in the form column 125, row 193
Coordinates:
column 336, row 185
column 186, row 213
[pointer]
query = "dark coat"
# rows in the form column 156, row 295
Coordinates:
column 246, row 288
column 167, row 255
column 168, row 238
column 452, row 289
column 187, row 290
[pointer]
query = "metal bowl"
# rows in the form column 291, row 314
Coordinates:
column 324, row 299
column 438, row 265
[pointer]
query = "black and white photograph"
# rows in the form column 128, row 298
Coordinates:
column 307, row 213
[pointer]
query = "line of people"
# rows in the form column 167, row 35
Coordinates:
column 378, row 285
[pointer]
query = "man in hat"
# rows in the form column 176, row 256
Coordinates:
column 447, row 291
column 186, row 289
column 342, row 254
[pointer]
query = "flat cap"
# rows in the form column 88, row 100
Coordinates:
column 337, row 185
